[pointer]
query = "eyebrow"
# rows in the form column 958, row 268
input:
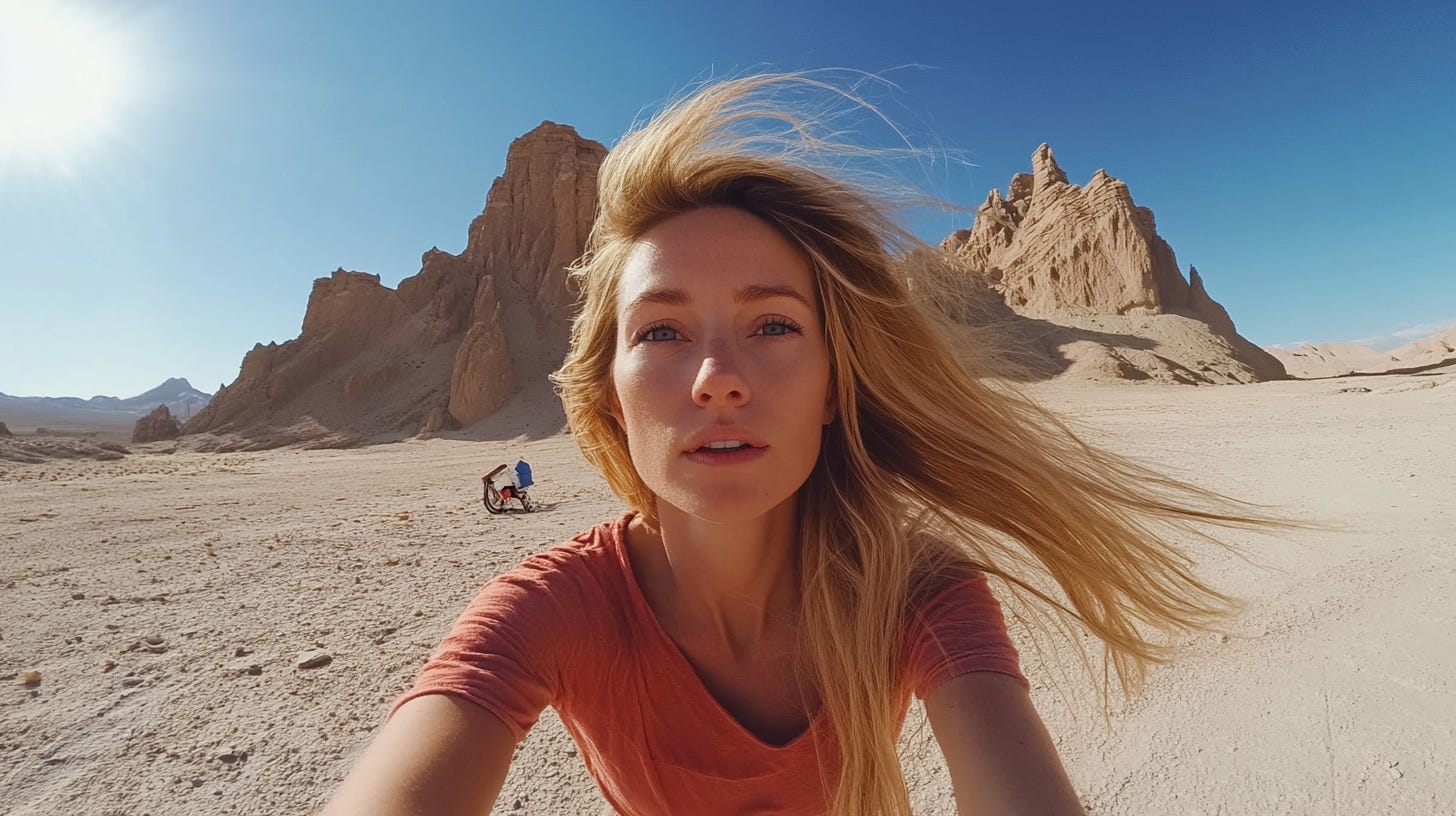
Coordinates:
column 748, row 294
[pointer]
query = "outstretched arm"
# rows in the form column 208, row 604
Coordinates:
column 437, row 755
column 1002, row 761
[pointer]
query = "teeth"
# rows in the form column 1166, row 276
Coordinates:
column 728, row 445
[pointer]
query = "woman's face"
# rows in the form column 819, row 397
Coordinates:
column 721, row 371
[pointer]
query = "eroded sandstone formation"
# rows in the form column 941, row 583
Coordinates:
column 451, row 343
column 156, row 426
column 1096, row 291
column 1072, row 256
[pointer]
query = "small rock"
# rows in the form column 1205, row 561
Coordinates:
column 30, row 678
column 1221, row 637
column 78, row 596
column 129, row 682
column 231, row 756
column 242, row 651
column 196, row 781
column 153, row 640
column 314, row 659
column 108, row 665
column 241, row 667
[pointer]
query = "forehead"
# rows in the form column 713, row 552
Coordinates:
column 711, row 251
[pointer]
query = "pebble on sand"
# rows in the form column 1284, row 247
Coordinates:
column 314, row 659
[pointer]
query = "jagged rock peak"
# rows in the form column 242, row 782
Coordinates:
column 1054, row 248
column 538, row 214
column 452, row 342
column 1044, row 169
column 1055, row 251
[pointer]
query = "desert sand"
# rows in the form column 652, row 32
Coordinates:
column 165, row 599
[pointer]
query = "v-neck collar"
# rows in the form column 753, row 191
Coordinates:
column 681, row 665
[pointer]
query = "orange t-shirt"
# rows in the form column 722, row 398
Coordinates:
column 570, row 628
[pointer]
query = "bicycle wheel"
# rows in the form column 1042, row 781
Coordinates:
column 492, row 500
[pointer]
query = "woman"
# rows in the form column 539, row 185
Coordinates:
column 818, row 489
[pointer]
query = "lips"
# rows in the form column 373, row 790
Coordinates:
column 726, row 446
column 731, row 456
column 727, row 439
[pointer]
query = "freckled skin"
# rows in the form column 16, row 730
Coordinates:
column 714, row 359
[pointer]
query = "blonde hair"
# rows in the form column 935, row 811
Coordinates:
column 979, row 478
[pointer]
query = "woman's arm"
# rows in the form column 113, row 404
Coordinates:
column 1001, row 759
column 437, row 755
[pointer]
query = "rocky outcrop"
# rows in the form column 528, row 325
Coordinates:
column 156, row 426
column 1053, row 248
column 5, row 432
column 451, row 343
column 1063, row 254
column 538, row 215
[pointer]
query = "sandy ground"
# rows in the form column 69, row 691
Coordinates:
column 165, row 599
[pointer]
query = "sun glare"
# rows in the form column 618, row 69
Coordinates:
column 64, row 79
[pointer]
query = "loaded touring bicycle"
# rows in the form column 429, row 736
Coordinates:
column 505, row 484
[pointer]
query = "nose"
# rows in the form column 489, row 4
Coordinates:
column 720, row 380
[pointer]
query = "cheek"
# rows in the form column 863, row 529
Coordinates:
column 640, row 397
column 626, row 387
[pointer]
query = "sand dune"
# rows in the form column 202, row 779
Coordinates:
column 165, row 600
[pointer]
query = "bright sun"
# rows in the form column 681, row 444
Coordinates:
column 64, row 77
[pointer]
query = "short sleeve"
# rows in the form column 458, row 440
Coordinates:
column 505, row 651
column 959, row 631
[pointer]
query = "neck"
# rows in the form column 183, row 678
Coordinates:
column 735, row 583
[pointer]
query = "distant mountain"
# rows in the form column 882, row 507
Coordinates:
column 1318, row 360
column 176, row 393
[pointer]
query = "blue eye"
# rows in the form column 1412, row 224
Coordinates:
column 779, row 327
column 657, row 334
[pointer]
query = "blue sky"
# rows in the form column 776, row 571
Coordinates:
column 1300, row 155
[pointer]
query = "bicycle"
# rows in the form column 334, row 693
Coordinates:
column 495, row 496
